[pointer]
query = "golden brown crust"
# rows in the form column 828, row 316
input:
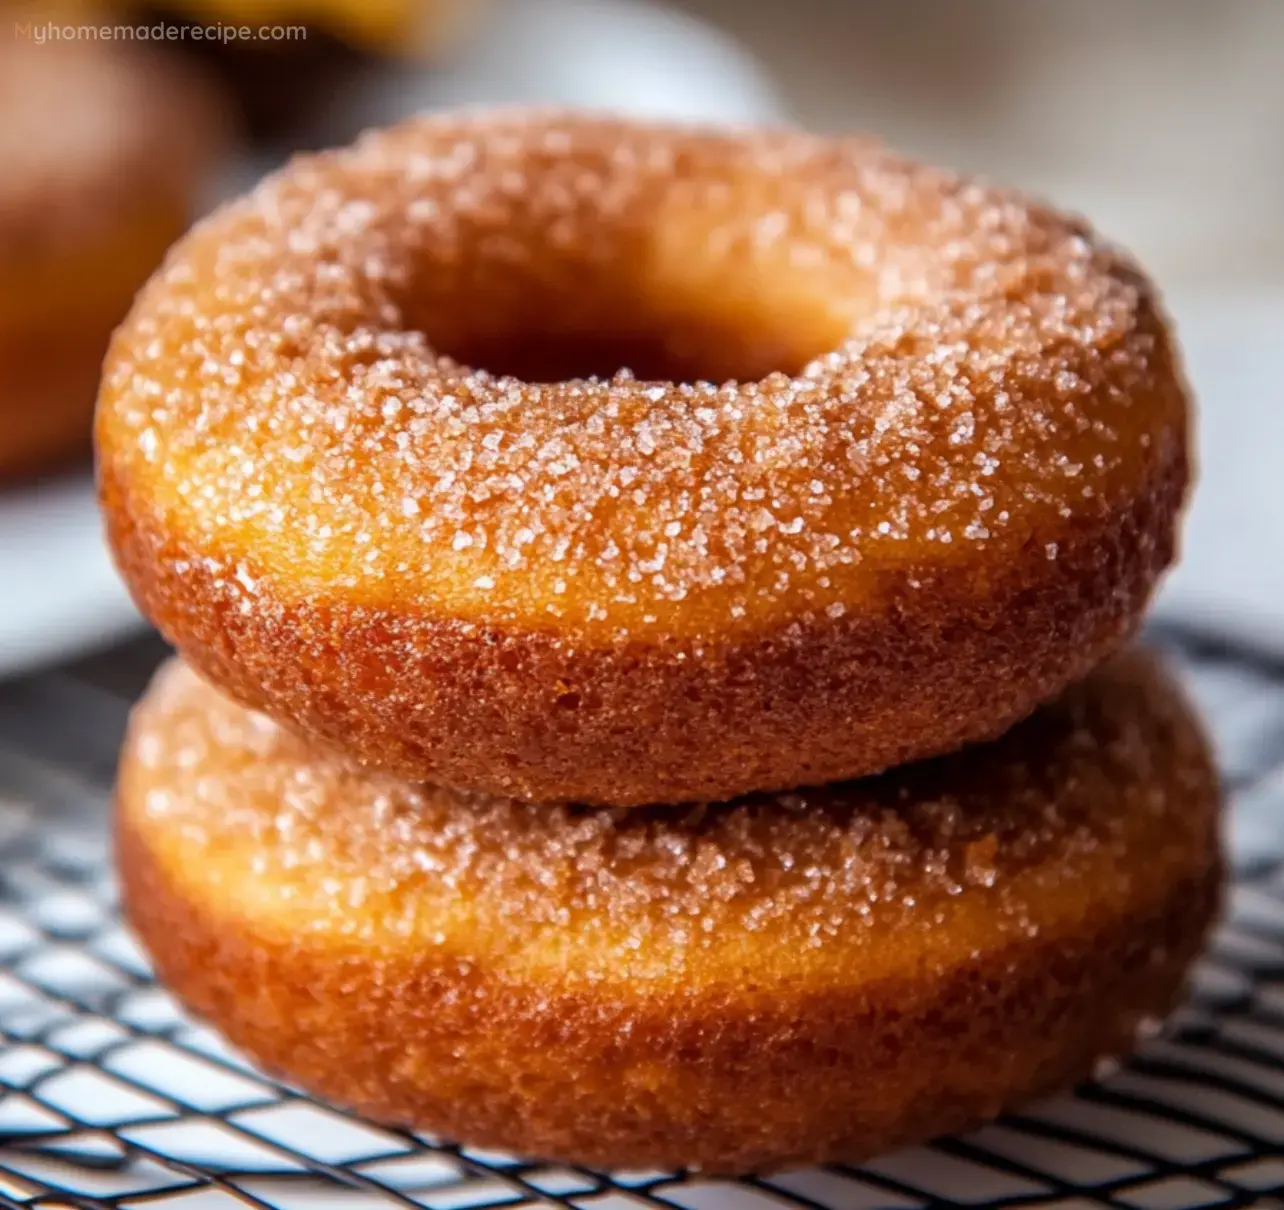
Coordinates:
column 634, row 590
column 779, row 980
column 103, row 149
column 505, row 710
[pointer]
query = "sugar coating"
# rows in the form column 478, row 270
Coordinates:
column 770, row 983
column 1093, row 803
column 91, row 133
column 966, row 372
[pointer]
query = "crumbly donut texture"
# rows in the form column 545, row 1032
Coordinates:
column 900, row 455
column 817, row 976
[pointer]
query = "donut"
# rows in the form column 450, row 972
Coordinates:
column 574, row 459
column 101, row 151
column 819, row 976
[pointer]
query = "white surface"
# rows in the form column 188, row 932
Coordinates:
column 59, row 594
column 1230, row 581
column 626, row 56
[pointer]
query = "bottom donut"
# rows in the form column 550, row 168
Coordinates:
column 819, row 976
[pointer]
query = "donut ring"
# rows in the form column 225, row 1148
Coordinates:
column 102, row 150
column 651, row 588
column 810, row 977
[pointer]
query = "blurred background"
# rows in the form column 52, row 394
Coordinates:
column 1159, row 119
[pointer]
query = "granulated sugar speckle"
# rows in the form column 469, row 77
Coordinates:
column 1059, row 805
column 536, row 366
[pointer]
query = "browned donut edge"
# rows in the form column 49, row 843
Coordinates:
column 535, row 715
column 731, row 1083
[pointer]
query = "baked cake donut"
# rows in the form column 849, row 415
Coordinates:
column 575, row 459
column 101, row 153
column 817, row 976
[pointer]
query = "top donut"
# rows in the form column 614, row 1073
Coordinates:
column 583, row 460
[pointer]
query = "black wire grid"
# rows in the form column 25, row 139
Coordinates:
column 110, row 1098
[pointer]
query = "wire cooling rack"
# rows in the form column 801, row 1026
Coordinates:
column 111, row 1098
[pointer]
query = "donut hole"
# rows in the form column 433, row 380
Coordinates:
column 553, row 357
column 644, row 341
column 514, row 306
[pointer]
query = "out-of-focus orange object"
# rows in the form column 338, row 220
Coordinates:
column 104, row 148
column 398, row 26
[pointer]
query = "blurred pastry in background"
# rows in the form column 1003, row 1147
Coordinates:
column 104, row 150
column 288, row 57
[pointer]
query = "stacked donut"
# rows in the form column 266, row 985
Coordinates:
column 508, row 474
